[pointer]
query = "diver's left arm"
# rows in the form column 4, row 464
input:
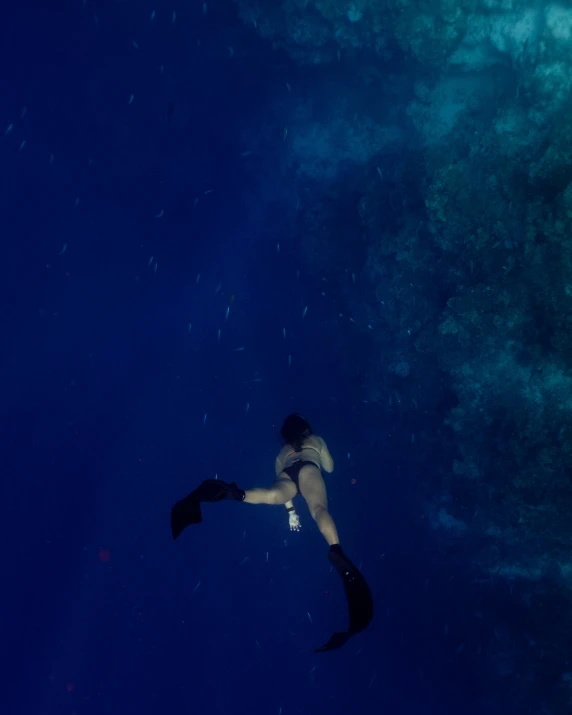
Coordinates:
column 293, row 518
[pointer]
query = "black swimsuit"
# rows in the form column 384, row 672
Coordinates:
column 293, row 471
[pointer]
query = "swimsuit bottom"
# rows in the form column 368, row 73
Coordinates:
column 293, row 471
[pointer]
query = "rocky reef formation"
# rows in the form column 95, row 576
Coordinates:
column 448, row 140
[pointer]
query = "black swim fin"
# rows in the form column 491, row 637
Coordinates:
column 187, row 511
column 358, row 596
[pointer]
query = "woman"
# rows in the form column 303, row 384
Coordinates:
column 298, row 470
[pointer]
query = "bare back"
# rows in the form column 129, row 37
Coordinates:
column 314, row 449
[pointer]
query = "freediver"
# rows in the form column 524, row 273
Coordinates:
column 298, row 469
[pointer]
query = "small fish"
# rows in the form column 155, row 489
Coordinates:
column 76, row 204
column 413, row 438
column 284, row 333
column 372, row 681
column 8, row 129
column 304, row 312
column 354, row 278
column 289, row 360
column 267, row 557
column 244, row 534
column 380, row 173
column 174, row 17
column 459, row 649
column 216, row 475
column 204, row 418
column 238, row 350
column 22, row 145
column 246, row 407
column 131, row 98
column 288, row 87
column 309, row 616
column 244, row 154
column 205, row 9
column 244, row 560
column 218, row 335
column 208, row 191
column 277, row 247
column 189, row 327
column 61, row 253
column 51, row 159
column 227, row 312
column 198, row 278
column 135, row 45
column 150, row 261
column 153, row 15
column 219, row 286
column 195, row 588
column 349, row 455
column 313, row 669
column 231, row 51
column 155, row 267
column 196, row 201
column 285, row 133
column 160, row 214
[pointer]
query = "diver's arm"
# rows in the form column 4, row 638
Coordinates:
column 279, row 467
column 326, row 458
column 293, row 518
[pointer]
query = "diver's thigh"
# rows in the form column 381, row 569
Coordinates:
column 313, row 487
column 286, row 486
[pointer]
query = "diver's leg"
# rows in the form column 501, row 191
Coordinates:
column 313, row 490
column 280, row 492
column 326, row 525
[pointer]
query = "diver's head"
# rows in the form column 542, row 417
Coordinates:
column 295, row 430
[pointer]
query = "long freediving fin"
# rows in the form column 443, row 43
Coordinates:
column 358, row 596
column 187, row 511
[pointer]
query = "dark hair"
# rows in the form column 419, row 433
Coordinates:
column 295, row 430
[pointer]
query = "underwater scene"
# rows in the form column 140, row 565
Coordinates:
column 286, row 357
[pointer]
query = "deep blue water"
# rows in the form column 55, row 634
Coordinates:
column 105, row 388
